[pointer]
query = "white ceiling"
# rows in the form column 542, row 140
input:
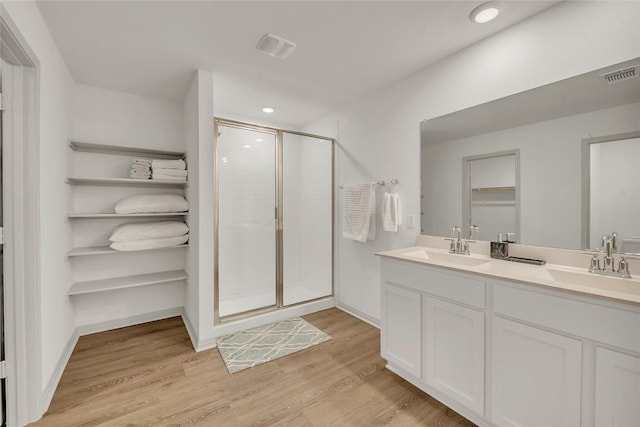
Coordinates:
column 344, row 49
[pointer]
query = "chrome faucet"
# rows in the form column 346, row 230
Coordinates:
column 609, row 246
column 457, row 244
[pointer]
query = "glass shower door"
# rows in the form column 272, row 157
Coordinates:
column 307, row 218
column 247, row 244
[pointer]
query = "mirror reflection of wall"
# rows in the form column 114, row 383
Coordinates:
column 490, row 196
column 547, row 125
column 615, row 192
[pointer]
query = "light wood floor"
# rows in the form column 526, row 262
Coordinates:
column 149, row 375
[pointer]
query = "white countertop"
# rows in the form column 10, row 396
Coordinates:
column 549, row 275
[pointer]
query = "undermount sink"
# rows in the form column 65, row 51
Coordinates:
column 456, row 259
column 588, row 279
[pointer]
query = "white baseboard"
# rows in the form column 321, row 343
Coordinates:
column 198, row 345
column 128, row 321
column 53, row 382
column 274, row 316
column 360, row 315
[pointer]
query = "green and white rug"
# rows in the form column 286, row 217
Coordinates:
column 263, row 344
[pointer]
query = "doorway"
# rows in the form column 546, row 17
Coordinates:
column 491, row 195
column 274, row 219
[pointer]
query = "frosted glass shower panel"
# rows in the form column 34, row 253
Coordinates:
column 307, row 218
column 246, row 221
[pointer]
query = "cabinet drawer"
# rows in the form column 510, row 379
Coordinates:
column 617, row 327
column 457, row 287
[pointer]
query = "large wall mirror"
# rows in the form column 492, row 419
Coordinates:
column 555, row 166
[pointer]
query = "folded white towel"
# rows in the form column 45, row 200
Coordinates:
column 358, row 212
column 152, row 203
column 168, row 164
column 136, row 176
column 140, row 172
column 169, row 178
column 391, row 212
column 141, row 245
column 171, row 172
column 141, row 167
column 142, row 161
column 148, row 230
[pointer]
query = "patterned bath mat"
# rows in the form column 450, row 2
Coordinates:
column 263, row 344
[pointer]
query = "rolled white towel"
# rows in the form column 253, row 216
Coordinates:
column 169, row 178
column 171, row 172
column 168, row 164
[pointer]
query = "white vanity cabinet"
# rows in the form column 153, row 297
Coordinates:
column 536, row 376
column 617, row 401
column 433, row 328
column 504, row 353
column 454, row 351
column 401, row 342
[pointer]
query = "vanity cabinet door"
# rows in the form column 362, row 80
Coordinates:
column 617, row 389
column 401, row 328
column 454, row 351
column 536, row 376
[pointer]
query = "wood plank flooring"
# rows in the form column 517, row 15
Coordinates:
column 149, row 375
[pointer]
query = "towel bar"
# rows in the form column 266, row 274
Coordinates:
column 394, row 181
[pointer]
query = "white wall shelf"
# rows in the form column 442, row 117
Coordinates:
column 486, row 189
column 127, row 182
column 89, row 147
column 92, row 286
column 73, row 216
column 493, row 203
column 102, row 250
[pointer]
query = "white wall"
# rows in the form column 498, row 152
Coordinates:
column 56, row 87
column 198, row 135
column 379, row 135
column 550, row 173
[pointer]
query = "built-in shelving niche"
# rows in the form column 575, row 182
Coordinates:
column 131, row 281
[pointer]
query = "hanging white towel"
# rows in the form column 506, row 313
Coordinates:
column 391, row 212
column 358, row 212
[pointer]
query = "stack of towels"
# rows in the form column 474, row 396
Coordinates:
column 150, row 235
column 140, row 169
column 169, row 170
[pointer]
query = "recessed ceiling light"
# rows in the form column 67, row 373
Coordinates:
column 268, row 110
column 259, row 139
column 485, row 12
column 246, row 146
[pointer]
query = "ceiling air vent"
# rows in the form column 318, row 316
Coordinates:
column 274, row 45
column 620, row 75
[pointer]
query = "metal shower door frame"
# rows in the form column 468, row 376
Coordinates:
column 279, row 223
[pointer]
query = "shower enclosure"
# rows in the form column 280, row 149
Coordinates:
column 274, row 219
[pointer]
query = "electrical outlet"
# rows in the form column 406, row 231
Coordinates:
column 411, row 221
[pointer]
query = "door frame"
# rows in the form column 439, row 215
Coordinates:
column 279, row 218
column 24, row 391
column 585, row 234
